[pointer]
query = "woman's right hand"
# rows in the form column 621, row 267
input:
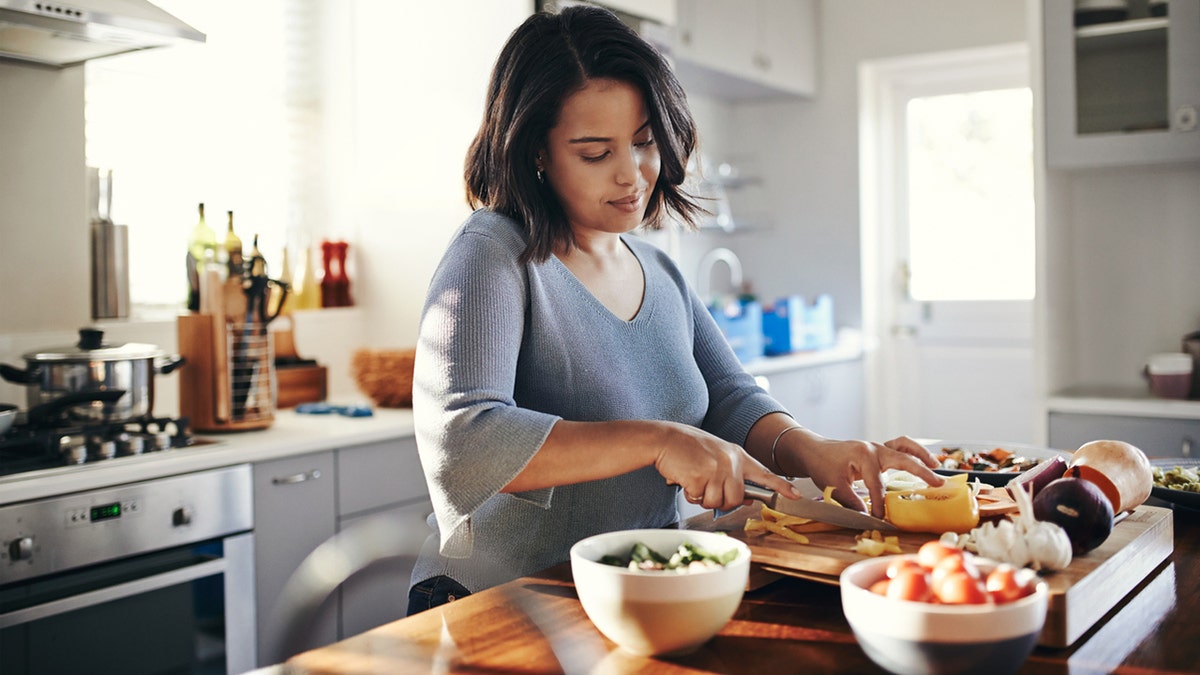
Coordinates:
column 712, row 472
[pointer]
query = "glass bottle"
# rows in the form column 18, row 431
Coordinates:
column 329, row 283
column 202, row 251
column 285, row 278
column 307, row 292
column 233, row 251
column 203, row 242
column 343, row 277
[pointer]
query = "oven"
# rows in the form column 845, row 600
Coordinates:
column 149, row 577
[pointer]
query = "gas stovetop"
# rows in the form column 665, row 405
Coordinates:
column 63, row 442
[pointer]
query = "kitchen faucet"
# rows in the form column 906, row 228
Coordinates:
column 709, row 261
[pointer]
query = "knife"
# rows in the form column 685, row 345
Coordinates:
column 810, row 508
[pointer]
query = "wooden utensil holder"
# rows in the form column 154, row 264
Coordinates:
column 229, row 383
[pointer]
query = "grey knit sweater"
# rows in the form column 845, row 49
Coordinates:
column 505, row 351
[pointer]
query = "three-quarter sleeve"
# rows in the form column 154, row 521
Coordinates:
column 471, row 436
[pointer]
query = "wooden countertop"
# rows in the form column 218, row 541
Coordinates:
column 786, row 625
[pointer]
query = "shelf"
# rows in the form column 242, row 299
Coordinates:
column 1120, row 400
column 1122, row 33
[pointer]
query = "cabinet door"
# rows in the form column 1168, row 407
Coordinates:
column 378, row 594
column 828, row 399
column 294, row 512
column 746, row 50
column 786, row 56
column 1156, row 436
column 716, row 34
column 1121, row 93
column 381, row 474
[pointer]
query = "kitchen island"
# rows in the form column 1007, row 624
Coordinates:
column 536, row 624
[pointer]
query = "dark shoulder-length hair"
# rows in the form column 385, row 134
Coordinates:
column 546, row 59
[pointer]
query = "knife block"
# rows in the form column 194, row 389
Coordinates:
column 229, row 381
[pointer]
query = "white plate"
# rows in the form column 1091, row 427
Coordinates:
column 997, row 478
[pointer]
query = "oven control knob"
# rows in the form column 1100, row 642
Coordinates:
column 20, row 549
column 182, row 516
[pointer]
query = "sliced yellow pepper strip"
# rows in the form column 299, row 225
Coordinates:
column 755, row 525
column 949, row 508
column 828, row 496
column 872, row 543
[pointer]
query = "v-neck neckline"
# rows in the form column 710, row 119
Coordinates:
column 644, row 306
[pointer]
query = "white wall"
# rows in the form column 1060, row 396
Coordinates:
column 43, row 200
column 807, row 151
column 419, row 79
column 404, row 91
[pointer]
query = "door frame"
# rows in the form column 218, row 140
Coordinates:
column 883, row 83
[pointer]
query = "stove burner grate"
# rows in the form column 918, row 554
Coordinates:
column 32, row 446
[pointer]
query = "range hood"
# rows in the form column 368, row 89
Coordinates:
column 63, row 34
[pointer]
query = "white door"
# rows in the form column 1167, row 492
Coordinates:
column 948, row 245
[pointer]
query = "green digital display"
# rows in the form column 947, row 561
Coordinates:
column 106, row 512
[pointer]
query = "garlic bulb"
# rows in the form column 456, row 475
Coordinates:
column 1049, row 545
column 1025, row 540
column 1002, row 541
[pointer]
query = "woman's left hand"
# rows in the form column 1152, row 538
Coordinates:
column 838, row 464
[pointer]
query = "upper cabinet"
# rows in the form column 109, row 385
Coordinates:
column 1122, row 92
column 746, row 50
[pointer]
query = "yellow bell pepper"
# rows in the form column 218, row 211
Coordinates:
column 949, row 508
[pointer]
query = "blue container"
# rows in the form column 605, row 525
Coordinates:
column 783, row 326
column 818, row 324
column 741, row 323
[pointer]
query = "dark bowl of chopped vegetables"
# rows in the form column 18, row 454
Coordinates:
column 660, row 592
column 990, row 463
column 1177, row 481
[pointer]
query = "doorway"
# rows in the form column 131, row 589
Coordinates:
column 947, row 208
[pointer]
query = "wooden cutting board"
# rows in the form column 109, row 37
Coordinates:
column 1080, row 595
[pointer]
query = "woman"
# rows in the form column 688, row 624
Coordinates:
column 568, row 382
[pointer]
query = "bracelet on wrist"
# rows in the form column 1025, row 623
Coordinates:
column 775, row 446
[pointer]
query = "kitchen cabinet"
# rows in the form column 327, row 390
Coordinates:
column 300, row 502
column 294, row 512
column 826, row 398
column 1156, row 436
column 746, row 50
column 1122, row 93
column 379, row 480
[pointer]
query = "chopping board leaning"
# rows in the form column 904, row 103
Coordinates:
column 1079, row 596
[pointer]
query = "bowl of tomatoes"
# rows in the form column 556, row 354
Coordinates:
column 943, row 610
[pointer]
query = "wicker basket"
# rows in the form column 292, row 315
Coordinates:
column 385, row 375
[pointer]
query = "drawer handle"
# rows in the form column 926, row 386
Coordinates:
column 1187, row 446
column 297, row 477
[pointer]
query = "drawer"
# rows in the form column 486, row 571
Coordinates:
column 1156, row 436
column 376, row 475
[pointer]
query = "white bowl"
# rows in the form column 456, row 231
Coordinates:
column 909, row 637
column 658, row 612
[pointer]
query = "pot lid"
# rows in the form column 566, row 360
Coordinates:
column 92, row 347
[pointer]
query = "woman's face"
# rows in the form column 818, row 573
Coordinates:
column 601, row 159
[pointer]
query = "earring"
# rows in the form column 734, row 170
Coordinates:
column 540, row 175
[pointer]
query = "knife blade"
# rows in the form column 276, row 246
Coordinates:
column 810, row 508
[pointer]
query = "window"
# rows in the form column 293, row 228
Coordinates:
column 970, row 196
column 225, row 123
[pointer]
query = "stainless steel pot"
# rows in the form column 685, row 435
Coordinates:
column 93, row 365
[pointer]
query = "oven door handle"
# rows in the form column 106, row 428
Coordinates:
column 115, row 592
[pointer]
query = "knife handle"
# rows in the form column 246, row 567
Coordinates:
column 751, row 491
column 762, row 494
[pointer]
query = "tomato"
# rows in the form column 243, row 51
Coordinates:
column 932, row 551
column 910, row 584
column 954, row 564
column 960, row 588
column 900, row 564
column 1002, row 584
column 881, row 587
